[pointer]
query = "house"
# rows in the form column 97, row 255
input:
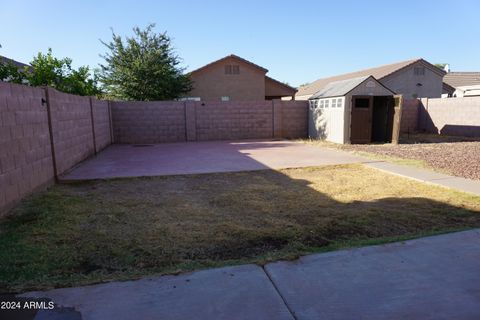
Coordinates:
column 19, row 65
column 234, row 78
column 415, row 78
column 356, row 110
column 463, row 84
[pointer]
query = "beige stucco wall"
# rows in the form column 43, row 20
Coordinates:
column 405, row 82
column 211, row 83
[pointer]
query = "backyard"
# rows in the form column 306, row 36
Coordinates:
column 105, row 230
column 458, row 156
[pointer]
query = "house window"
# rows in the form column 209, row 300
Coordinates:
column 334, row 103
column 326, row 103
column 225, row 98
column 322, row 103
column 232, row 69
column 419, row 71
column 339, row 102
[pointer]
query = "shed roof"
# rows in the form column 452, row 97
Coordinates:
column 459, row 79
column 342, row 87
column 377, row 73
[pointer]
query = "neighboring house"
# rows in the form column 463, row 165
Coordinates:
column 462, row 84
column 19, row 65
column 415, row 78
column 234, row 78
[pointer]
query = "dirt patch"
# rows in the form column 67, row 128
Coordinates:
column 122, row 229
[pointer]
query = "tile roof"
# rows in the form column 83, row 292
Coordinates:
column 377, row 72
column 460, row 79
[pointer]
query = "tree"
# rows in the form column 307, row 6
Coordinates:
column 46, row 70
column 144, row 67
column 9, row 72
column 440, row 65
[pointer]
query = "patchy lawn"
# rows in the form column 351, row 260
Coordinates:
column 458, row 156
column 122, row 229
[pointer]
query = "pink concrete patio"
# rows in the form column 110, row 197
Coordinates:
column 204, row 157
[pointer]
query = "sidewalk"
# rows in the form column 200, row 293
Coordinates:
column 428, row 278
column 427, row 176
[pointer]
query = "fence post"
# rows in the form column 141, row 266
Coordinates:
column 50, row 131
column 277, row 119
column 109, row 104
column 190, row 121
column 93, row 126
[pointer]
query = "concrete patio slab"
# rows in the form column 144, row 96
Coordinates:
column 428, row 176
column 242, row 292
column 429, row 278
column 205, row 157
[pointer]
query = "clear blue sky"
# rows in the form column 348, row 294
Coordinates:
column 298, row 41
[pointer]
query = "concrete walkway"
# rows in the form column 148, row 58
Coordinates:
column 429, row 278
column 428, row 176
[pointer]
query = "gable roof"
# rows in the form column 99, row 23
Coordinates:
column 229, row 57
column 18, row 64
column 460, row 79
column 267, row 78
column 343, row 87
column 377, row 72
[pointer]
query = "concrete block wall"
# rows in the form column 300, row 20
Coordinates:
column 25, row 149
column 452, row 116
column 410, row 112
column 101, row 123
column 175, row 121
column 294, row 118
column 234, row 120
column 72, row 129
column 32, row 146
column 148, row 122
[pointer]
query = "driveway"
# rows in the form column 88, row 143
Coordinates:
column 204, row 157
column 429, row 278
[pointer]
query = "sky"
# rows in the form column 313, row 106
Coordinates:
column 297, row 41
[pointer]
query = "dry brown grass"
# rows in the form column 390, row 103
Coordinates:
column 119, row 229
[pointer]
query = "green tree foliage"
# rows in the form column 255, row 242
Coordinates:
column 143, row 67
column 46, row 70
column 59, row 74
column 9, row 72
column 440, row 65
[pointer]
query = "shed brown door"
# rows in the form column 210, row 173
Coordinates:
column 361, row 122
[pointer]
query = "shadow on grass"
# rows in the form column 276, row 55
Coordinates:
column 121, row 229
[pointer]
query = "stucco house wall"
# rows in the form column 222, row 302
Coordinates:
column 212, row 83
column 406, row 82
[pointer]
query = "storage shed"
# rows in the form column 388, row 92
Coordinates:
column 357, row 110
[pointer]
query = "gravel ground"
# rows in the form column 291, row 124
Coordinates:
column 458, row 156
